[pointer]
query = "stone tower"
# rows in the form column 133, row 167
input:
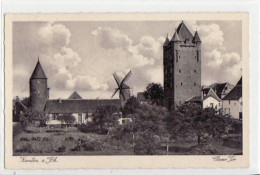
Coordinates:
column 39, row 92
column 182, row 67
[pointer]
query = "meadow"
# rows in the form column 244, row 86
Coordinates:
column 35, row 141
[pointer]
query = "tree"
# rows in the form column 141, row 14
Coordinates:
column 130, row 106
column 30, row 116
column 146, row 128
column 103, row 117
column 67, row 118
column 193, row 119
column 26, row 101
column 154, row 93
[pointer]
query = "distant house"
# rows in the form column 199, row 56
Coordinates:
column 233, row 102
column 221, row 89
column 81, row 109
column 211, row 100
column 74, row 96
column 196, row 100
column 141, row 98
column 18, row 108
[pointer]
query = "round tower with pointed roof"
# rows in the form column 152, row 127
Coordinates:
column 38, row 88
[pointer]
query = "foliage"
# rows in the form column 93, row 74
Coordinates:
column 26, row 101
column 146, row 127
column 104, row 119
column 30, row 116
column 154, row 93
column 193, row 119
column 130, row 106
column 67, row 118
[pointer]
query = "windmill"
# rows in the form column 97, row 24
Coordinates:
column 123, row 89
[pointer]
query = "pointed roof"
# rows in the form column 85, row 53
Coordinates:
column 166, row 41
column 196, row 38
column 184, row 32
column 239, row 82
column 175, row 37
column 38, row 72
column 75, row 95
column 236, row 92
column 211, row 93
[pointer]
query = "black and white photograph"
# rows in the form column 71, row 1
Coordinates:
column 142, row 88
column 127, row 88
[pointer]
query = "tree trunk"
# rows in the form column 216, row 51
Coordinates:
column 198, row 140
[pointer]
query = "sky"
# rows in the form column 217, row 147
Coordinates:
column 82, row 55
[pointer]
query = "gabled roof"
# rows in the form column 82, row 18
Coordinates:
column 218, row 88
column 196, row 38
column 38, row 72
column 236, row 92
column 184, row 32
column 211, row 93
column 195, row 99
column 75, row 95
column 61, row 106
column 239, row 82
column 166, row 41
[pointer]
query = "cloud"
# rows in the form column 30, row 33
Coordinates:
column 142, row 57
column 218, row 65
column 111, row 38
column 55, row 35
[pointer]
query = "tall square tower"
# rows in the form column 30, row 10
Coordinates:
column 182, row 67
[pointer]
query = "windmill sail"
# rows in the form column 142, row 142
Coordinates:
column 123, row 89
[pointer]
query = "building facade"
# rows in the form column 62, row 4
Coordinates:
column 182, row 67
column 232, row 103
column 75, row 105
column 211, row 100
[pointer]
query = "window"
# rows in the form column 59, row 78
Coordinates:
column 211, row 105
column 198, row 55
column 195, row 71
column 177, row 56
column 180, row 102
column 194, row 84
column 229, row 102
column 181, row 84
column 179, row 71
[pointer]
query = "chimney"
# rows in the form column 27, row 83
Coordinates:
column 48, row 93
column 59, row 100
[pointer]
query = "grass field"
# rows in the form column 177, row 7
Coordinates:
column 42, row 141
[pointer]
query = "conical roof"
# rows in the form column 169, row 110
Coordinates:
column 166, row 41
column 239, row 83
column 175, row 37
column 196, row 38
column 183, row 32
column 75, row 95
column 38, row 72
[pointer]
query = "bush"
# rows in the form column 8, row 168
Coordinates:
column 45, row 139
column 89, row 127
column 36, row 139
column 69, row 139
column 83, row 145
column 61, row 149
column 17, row 129
column 24, row 139
column 27, row 148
